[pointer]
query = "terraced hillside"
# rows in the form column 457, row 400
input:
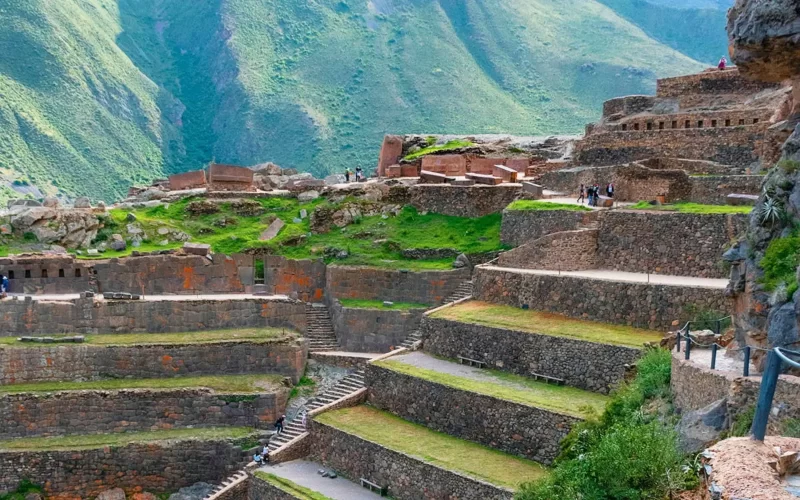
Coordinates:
column 121, row 91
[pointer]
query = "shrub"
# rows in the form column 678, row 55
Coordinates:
column 780, row 263
column 743, row 422
column 630, row 452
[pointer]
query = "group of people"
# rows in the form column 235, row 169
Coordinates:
column 359, row 174
column 263, row 457
column 592, row 193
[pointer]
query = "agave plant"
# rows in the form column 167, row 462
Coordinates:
column 771, row 211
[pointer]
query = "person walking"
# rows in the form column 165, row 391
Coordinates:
column 723, row 63
column 596, row 192
column 610, row 189
column 279, row 424
column 347, row 175
column 582, row 194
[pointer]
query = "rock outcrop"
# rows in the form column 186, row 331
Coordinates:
column 68, row 228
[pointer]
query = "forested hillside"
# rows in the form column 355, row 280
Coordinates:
column 98, row 94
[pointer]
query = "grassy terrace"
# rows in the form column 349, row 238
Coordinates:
column 560, row 399
column 500, row 316
column 226, row 384
column 204, row 337
column 378, row 304
column 535, row 205
column 692, row 208
column 370, row 240
column 290, row 487
column 433, row 447
column 92, row 441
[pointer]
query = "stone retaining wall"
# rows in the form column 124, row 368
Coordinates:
column 134, row 410
column 34, row 317
column 587, row 365
column 161, row 467
column 521, row 226
column 667, row 242
column 463, row 201
column 372, row 330
column 408, row 478
column 176, row 274
column 367, row 283
column 305, row 278
column 639, row 304
column 518, row 429
column 259, row 489
column 713, row 190
column 564, row 251
column 42, row 363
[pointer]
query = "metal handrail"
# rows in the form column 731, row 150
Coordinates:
column 769, row 381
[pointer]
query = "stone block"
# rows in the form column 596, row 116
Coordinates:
column 187, row 180
column 393, row 171
column 484, row 165
column 272, row 231
column 534, row 190
column 230, row 177
column 463, row 182
column 391, row 150
column 518, row 164
column 445, row 164
column 435, row 177
column 505, row 173
column 201, row 249
column 605, row 202
column 409, row 170
column 485, row 179
column 742, row 199
column 307, row 196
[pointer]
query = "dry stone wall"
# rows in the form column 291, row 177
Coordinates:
column 407, row 478
column 92, row 362
column 134, row 410
column 564, row 251
column 34, row 317
column 164, row 466
column 638, row 304
column 463, row 201
column 713, row 190
column 372, row 330
column 304, row 279
column 424, row 287
column 258, row 489
column 521, row 226
column 518, row 429
column 587, row 365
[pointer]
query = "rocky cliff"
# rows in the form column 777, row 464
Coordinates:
column 765, row 44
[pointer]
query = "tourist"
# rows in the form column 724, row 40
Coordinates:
column 596, row 190
column 3, row 286
column 582, row 194
column 265, row 455
column 610, row 190
column 347, row 175
column 303, row 421
column 723, row 63
column 279, row 424
column 258, row 459
column 359, row 174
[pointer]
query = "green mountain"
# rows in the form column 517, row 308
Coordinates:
column 98, row 94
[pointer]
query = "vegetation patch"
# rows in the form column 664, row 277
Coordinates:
column 290, row 487
column 630, row 452
column 370, row 241
column 536, row 205
column 433, row 148
column 305, row 387
column 561, row 399
column 24, row 489
column 378, row 304
column 433, row 447
column 512, row 318
column 93, row 441
column 780, row 263
column 692, row 208
column 226, row 384
column 204, row 337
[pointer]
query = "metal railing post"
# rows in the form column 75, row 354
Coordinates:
column 678, row 343
column 713, row 356
column 688, row 347
column 746, row 370
column 768, row 383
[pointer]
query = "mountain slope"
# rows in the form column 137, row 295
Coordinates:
column 101, row 93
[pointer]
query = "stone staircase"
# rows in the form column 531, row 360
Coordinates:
column 345, row 387
column 412, row 339
column 463, row 291
column 321, row 336
column 227, row 485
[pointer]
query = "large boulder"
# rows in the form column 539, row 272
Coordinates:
column 68, row 228
column 700, row 428
column 765, row 38
column 82, row 202
column 267, row 169
column 307, row 196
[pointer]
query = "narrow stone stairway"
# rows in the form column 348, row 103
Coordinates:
column 463, row 291
column 321, row 336
column 412, row 339
column 226, row 485
column 345, row 387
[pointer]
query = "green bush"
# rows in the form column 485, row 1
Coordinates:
column 780, row 263
column 25, row 488
column 743, row 422
column 631, row 452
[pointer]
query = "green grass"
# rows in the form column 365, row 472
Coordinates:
column 93, row 441
column 378, row 304
column 305, row 387
column 295, row 241
column 500, row 316
column 535, row 205
column 433, row 447
column 780, row 263
column 290, row 487
column 225, row 384
column 561, row 399
column 448, row 146
column 208, row 336
column 692, row 208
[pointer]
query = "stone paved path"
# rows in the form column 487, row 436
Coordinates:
column 621, row 276
column 305, row 474
column 156, row 298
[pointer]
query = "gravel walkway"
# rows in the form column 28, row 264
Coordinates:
column 304, row 473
